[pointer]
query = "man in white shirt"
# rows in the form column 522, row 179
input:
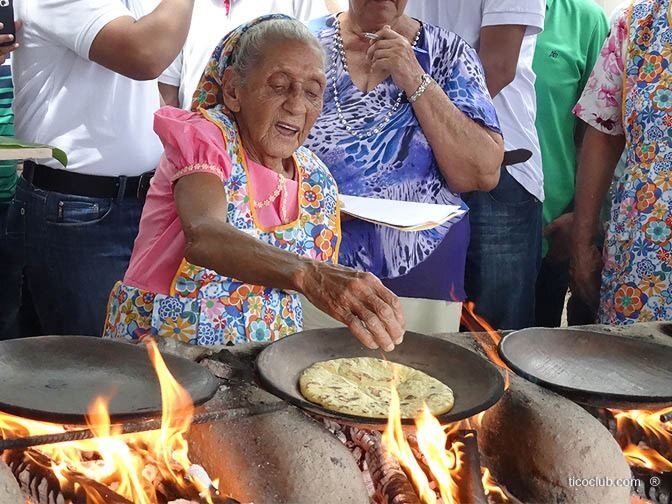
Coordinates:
column 85, row 82
column 212, row 20
column 505, row 250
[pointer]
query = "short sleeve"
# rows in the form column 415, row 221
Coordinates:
column 173, row 74
column 600, row 104
column 191, row 144
column 460, row 73
column 594, row 43
column 528, row 13
column 76, row 23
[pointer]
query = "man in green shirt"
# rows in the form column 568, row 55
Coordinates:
column 567, row 50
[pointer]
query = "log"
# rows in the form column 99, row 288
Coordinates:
column 469, row 483
column 389, row 478
column 31, row 470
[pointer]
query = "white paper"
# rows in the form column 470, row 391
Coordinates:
column 403, row 215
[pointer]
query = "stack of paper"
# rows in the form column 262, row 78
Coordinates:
column 402, row 215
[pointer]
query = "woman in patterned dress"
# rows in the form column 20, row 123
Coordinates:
column 240, row 217
column 628, row 103
column 407, row 116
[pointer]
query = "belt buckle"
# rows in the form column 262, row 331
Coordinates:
column 143, row 184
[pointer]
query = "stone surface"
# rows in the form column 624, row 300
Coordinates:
column 10, row 492
column 534, row 441
column 278, row 458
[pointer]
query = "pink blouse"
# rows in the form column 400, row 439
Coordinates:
column 192, row 144
column 601, row 103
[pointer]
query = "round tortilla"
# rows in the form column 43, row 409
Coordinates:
column 362, row 386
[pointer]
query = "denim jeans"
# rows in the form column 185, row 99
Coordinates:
column 12, row 217
column 76, row 248
column 504, row 253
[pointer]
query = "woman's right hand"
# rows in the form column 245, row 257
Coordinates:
column 360, row 300
column 586, row 273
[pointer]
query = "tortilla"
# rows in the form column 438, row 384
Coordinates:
column 362, row 386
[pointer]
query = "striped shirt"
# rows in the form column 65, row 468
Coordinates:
column 7, row 168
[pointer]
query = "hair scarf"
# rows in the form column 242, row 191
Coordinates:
column 209, row 92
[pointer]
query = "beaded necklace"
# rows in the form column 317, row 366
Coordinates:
column 338, row 52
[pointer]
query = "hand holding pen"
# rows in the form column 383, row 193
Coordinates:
column 392, row 53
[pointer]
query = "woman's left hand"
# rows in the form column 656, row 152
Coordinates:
column 392, row 53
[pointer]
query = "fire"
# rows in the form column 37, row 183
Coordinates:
column 641, row 433
column 479, row 327
column 130, row 464
column 443, row 461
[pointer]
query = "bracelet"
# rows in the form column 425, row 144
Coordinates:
column 424, row 84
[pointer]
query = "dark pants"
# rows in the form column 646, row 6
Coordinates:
column 504, row 253
column 552, row 286
column 12, row 217
column 76, row 248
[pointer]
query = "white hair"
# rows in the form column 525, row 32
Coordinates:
column 250, row 49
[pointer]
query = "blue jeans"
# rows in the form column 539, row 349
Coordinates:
column 504, row 253
column 76, row 248
column 12, row 216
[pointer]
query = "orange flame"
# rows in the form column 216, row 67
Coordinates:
column 485, row 335
column 630, row 425
column 130, row 464
column 444, row 462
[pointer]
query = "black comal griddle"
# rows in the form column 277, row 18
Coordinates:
column 57, row 378
column 593, row 368
column 475, row 382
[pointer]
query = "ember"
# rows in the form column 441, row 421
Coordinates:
column 143, row 468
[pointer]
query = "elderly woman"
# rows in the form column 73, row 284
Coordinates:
column 407, row 116
column 628, row 103
column 239, row 217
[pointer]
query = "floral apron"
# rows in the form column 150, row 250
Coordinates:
column 205, row 308
column 636, row 281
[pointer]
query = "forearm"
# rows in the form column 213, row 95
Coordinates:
column 468, row 155
column 142, row 49
column 599, row 155
column 160, row 35
column 216, row 245
column 170, row 95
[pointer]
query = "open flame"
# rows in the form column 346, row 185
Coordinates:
column 486, row 336
column 132, row 465
column 642, row 434
column 443, row 460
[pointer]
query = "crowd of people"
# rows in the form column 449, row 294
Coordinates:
column 208, row 142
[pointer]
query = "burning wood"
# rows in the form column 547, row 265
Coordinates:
column 138, row 468
column 389, row 479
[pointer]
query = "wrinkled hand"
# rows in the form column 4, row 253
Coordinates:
column 559, row 232
column 393, row 54
column 585, row 273
column 359, row 300
column 5, row 50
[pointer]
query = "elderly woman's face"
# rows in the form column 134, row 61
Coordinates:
column 377, row 13
column 280, row 100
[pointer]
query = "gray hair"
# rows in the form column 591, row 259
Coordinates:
column 250, row 49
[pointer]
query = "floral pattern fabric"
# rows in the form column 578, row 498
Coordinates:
column 206, row 308
column 637, row 276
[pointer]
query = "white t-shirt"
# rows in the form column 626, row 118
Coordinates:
column 210, row 23
column 102, row 120
column 516, row 104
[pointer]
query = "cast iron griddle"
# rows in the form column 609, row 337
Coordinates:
column 476, row 383
column 56, row 378
column 592, row 368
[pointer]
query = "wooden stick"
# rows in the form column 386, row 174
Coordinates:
column 470, row 484
column 387, row 475
column 30, row 470
column 140, row 426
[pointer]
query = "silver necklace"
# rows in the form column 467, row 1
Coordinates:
column 338, row 51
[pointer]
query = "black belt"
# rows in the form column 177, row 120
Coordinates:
column 92, row 186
